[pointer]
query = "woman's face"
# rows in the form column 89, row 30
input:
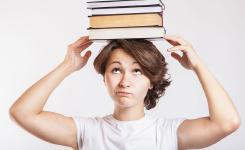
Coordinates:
column 125, row 81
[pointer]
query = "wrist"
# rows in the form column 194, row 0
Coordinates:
column 199, row 66
column 66, row 68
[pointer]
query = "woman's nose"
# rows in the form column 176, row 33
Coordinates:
column 125, row 81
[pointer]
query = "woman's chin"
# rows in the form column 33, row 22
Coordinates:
column 125, row 102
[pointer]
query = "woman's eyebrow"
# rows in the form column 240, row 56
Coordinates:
column 118, row 62
column 114, row 62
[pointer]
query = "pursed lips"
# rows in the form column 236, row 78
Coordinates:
column 123, row 93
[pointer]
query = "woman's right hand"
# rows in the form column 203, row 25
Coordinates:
column 73, row 57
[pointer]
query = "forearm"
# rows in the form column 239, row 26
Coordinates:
column 221, row 109
column 32, row 101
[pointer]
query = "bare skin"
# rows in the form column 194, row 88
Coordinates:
column 28, row 111
column 203, row 132
column 55, row 128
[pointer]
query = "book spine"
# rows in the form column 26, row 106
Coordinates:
column 120, row 14
column 89, row 28
column 106, row 7
column 160, row 13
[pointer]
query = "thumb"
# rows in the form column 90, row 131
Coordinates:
column 86, row 56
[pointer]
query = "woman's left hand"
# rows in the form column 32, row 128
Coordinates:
column 189, row 59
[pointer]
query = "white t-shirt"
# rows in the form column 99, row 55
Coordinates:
column 107, row 133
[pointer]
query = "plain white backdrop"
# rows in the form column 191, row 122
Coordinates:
column 34, row 35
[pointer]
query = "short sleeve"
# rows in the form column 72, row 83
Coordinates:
column 79, row 130
column 168, row 130
column 86, row 128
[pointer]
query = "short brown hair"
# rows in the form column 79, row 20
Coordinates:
column 150, row 60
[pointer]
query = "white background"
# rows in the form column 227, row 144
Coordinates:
column 34, row 35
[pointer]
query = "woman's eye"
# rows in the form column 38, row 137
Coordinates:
column 115, row 70
column 137, row 71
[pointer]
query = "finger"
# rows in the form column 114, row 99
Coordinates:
column 172, row 42
column 80, row 41
column 87, row 54
column 83, row 38
column 85, row 45
column 176, row 40
column 82, row 47
column 176, row 56
column 182, row 48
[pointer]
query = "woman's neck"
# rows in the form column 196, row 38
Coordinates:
column 128, row 114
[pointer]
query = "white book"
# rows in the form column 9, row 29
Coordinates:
column 126, row 33
column 104, row 4
column 127, row 10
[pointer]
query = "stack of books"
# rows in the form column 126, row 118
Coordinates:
column 125, row 19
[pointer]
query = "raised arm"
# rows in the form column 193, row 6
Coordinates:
column 223, row 118
column 28, row 111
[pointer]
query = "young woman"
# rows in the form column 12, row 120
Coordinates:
column 134, row 74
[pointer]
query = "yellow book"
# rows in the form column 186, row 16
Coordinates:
column 128, row 20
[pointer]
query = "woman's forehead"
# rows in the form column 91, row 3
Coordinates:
column 120, row 56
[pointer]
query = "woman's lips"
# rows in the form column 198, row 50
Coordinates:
column 123, row 93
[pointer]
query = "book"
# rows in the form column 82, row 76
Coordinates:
column 126, row 33
column 125, row 3
column 126, row 10
column 126, row 20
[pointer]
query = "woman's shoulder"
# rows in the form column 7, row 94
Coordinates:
column 169, row 124
column 89, row 119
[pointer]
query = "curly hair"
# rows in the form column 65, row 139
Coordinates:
column 150, row 60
